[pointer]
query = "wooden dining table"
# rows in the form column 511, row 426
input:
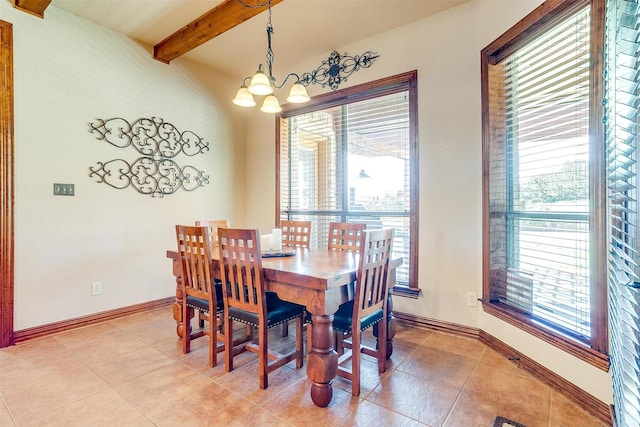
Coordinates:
column 321, row 280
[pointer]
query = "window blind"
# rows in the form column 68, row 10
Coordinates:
column 350, row 163
column 622, row 111
column 538, row 176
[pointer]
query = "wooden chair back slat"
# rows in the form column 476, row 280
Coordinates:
column 213, row 228
column 372, row 282
column 195, row 262
column 241, row 269
column 296, row 234
column 345, row 236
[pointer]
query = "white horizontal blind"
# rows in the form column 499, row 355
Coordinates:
column 622, row 113
column 350, row 163
column 539, row 187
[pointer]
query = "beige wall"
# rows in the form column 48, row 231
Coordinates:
column 69, row 72
column 445, row 49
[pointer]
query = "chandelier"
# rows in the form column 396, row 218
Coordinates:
column 262, row 84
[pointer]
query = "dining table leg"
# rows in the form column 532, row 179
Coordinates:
column 322, row 360
column 391, row 327
column 177, row 305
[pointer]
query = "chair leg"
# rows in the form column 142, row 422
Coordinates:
column 186, row 335
column 263, row 356
column 213, row 339
column 355, row 362
column 382, row 344
column 221, row 322
column 299, row 343
column 285, row 329
column 339, row 342
column 228, row 344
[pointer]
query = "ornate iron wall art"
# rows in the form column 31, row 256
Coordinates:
column 335, row 69
column 155, row 173
column 149, row 137
column 149, row 175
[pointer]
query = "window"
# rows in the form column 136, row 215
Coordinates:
column 351, row 156
column 544, row 191
column 622, row 93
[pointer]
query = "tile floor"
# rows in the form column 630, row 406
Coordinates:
column 131, row 372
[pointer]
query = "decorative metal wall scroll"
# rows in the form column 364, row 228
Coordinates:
column 336, row 68
column 155, row 172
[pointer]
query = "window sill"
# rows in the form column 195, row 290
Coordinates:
column 405, row 291
column 521, row 321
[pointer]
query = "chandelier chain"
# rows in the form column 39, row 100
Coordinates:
column 270, row 55
column 255, row 6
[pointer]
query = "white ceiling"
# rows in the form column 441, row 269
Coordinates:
column 302, row 28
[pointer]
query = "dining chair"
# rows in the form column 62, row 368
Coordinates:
column 345, row 236
column 213, row 232
column 296, row 234
column 368, row 307
column 213, row 227
column 199, row 292
column 246, row 301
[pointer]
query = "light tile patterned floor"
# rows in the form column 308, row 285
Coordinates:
column 132, row 372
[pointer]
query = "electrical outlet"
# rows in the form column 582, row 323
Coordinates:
column 96, row 288
column 472, row 299
column 63, row 189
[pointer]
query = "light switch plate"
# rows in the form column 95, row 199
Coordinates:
column 63, row 189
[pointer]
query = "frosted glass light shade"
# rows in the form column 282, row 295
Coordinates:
column 260, row 84
column 244, row 98
column 270, row 105
column 298, row 94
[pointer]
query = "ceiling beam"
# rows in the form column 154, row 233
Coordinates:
column 221, row 18
column 34, row 7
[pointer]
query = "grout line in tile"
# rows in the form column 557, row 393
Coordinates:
column 410, row 350
column 3, row 402
column 462, row 388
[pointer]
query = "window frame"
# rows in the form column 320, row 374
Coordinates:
column 362, row 92
column 539, row 20
column 622, row 150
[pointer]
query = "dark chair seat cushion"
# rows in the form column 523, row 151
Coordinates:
column 344, row 317
column 307, row 314
column 278, row 311
column 203, row 305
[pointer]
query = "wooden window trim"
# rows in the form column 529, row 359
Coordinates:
column 6, row 185
column 363, row 92
column 539, row 19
